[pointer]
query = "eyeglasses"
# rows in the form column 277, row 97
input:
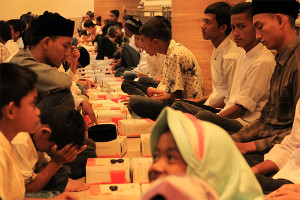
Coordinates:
column 113, row 161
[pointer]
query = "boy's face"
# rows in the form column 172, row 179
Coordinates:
column 267, row 30
column 167, row 159
column 41, row 138
column 138, row 41
column 27, row 115
column 210, row 29
column 112, row 17
column 58, row 50
column 243, row 31
column 149, row 45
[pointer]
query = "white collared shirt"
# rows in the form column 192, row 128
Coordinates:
column 251, row 83
column 223, row 65
column 286, row 155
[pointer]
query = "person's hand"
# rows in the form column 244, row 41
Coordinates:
column 75, row 54
column 66, row 154
column 152, row 91
column 87, row 84
column 88, row 110
column 65, row 196
column 282, row 193
column 246, row 147
column 141, row 74
column 286, row 187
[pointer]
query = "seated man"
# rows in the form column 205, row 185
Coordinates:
column 250, row 88
column 18, row 113
column 182, row 75
column 181, row 144
column 275, row 27
column 60, row 134
column 50, row 46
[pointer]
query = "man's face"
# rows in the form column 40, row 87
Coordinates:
column 58, row 50
column 27, row 115
column 167, row 159
column 149, row 45
column 87, row 17
column 118, row 32
column 267, row 30
column 41, row 138
column 112, row 17
column 243, row 31
column 138, row 41
column 210, row 29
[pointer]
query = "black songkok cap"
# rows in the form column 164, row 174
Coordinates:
column 287, row 7
column 103, row 132
column 52, row 24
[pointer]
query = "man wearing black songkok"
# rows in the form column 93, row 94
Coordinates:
column 274, row 21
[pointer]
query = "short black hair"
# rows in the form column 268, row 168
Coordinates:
column 5, row 31
column 119, row 24
column 164, row 20
column 90, row 13
column 222, row 11
column 116, row 13
column 89, row 23
column 15, row 83
column 99, row 19
column 84, row 58
column 17, row 25
column 242, row 7
column 66, row 124
column 156, row 29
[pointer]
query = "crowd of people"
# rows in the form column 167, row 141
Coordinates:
column 239, row 142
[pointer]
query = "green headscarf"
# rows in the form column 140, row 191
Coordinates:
column 210, row 154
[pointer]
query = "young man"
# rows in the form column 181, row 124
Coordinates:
column 250, row 89
column 182, row 76
column 60, row 133
column 216, row 28
column 17, row 29
column 113, row 17
column 50, row 47
column 275, row 27
column 18, row 113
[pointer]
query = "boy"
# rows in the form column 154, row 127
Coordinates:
column 250, row 89
column 275, row 27
column 61, row 134
column 18, row 113
column 182, row 74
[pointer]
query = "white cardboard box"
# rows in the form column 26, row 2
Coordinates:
column 112, row 149
column 111, row 115
column 144, row 187
column 135, row 127
column 101, row 170
column 124, row 192
column 97, row 95
column 145, row 145
column 96, row 104
column 140, row 168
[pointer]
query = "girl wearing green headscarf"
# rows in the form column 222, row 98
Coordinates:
column 182, row 144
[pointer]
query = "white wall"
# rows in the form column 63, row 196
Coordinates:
column 13, row 9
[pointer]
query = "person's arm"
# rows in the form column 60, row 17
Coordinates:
column 233, row 112
column 265, row 167
column 60, row 157
column 220, row 104
column 88, row 110
column 175, row 95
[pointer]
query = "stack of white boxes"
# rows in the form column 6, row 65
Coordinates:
column 112, row 176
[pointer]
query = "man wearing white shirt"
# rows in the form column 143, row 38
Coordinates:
column 250, row 88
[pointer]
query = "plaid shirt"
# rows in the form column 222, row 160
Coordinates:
column 278, row 114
